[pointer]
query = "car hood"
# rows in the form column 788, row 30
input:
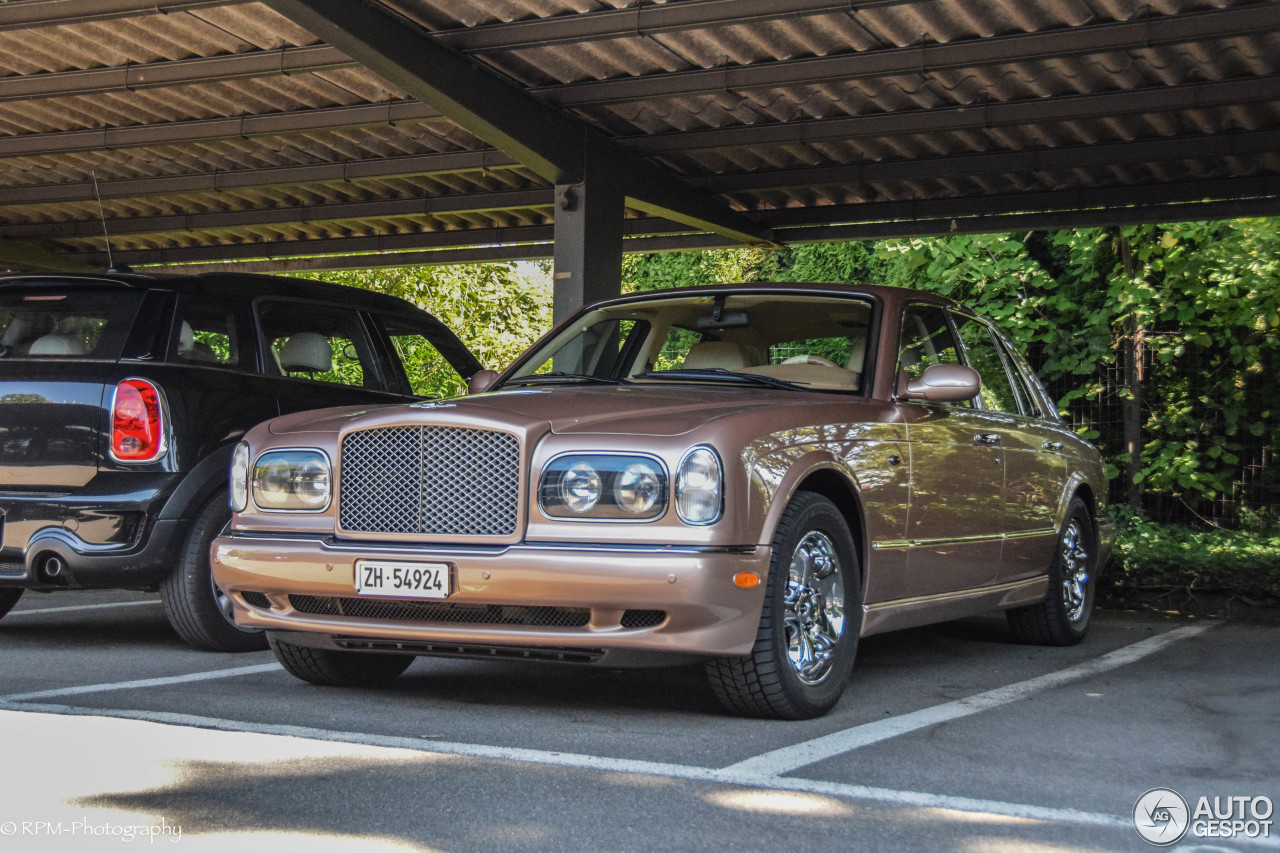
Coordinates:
column 619, row 410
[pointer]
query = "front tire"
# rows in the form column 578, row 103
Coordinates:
column 333, row 668
column 1062, row 619
column 809, row 625
column 9, row 596
column 198, row 610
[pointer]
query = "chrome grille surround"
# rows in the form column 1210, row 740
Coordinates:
column 429, row 480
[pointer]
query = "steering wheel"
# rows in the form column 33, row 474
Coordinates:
column 810, row 359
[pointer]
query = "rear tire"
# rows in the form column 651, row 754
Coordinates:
column 1062, row 619
column 809, row 625
column 332, row 668
column 8, row 597
column 197, row 609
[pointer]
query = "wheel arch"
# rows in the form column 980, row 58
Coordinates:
column 822, row 476
column 1077, row 487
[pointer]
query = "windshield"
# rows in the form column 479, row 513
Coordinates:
column 776, row 339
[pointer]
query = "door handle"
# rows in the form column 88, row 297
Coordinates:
column 987, row 438
column 1055, row 446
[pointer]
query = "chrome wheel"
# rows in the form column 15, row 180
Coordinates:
column 1075, row 572
column 814, row 616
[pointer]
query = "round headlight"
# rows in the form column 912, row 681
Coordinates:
column 310, row 482
column 272, row 481
column 637, row 487
column 292, row 480
column 580, row 488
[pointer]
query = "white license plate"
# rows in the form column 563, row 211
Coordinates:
column 402, row 580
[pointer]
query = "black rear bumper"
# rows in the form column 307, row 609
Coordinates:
column 87, row 566
column 102, row 538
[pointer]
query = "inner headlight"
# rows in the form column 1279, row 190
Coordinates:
column 580, row 488
column 297, row 480
column 604, row 486
column 699, row 487
column 240, row 477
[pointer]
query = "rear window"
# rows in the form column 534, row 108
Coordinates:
column 73, row 322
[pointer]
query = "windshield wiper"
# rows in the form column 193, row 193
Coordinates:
column 719, row 374
column 560, row 377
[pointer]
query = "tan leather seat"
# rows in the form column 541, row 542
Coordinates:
column 729, row 356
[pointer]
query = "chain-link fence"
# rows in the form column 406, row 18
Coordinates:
column 1254, row 491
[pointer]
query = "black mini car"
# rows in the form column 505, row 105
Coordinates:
column 122, row 397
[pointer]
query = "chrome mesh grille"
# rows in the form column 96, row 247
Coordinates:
column 643, row 618
column 430, row 480
column 435, row 611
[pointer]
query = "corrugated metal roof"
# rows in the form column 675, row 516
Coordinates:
column 215, row 127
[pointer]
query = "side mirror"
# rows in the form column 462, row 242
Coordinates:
column 482, row 381
column 944, row 383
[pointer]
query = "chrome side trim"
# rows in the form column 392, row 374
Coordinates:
column 895, row 544
column 945, row 597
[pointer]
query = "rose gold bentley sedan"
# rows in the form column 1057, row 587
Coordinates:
column 748, row 476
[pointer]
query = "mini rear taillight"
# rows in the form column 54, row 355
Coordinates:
column 137, row 422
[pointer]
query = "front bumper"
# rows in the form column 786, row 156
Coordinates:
column 687, row 595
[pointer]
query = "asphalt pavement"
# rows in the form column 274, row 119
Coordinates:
column 950, row 737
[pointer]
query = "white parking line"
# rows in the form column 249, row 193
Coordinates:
column 144, row 682
column 74, row 607
column 790, row 758
column 972, row 806
column 887, row 796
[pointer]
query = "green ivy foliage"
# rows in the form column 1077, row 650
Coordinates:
column 497, row 310
column 1206, row 296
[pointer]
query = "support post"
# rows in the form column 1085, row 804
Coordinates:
column 589, row 218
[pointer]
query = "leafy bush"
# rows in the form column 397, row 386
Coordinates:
column 1152, row 556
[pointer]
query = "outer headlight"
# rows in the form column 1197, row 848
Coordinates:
column 699, row 487
column 617, row 487
column 292, row 480
column 240, row 477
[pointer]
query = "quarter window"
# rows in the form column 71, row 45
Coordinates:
column 429, row 373
column 208, row 331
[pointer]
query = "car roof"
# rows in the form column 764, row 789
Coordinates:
column 225, row 284
column 247, row 286
column 883, row 293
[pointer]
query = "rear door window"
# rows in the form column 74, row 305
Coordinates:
column 47, row 321
column 322, row 343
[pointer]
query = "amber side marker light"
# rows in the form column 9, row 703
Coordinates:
column 746, row 580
